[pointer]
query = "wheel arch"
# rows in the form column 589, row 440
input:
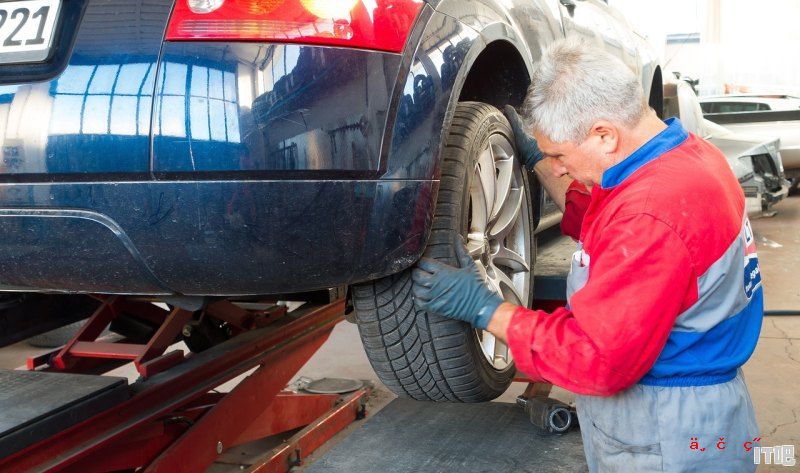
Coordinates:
column 493, row 72
column 498, row 76
column 496, row 49
column 445, row 68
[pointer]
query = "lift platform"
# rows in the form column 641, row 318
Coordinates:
column 62, row 416
column 410, row 436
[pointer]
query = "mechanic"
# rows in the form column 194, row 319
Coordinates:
column 664, row 297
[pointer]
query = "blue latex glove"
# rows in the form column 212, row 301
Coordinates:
column 528, row 149
column 459, row 293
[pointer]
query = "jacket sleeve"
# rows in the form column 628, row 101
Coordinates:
column 641, row 278
column 575, row 205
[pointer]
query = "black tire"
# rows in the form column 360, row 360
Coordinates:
column 425, row 356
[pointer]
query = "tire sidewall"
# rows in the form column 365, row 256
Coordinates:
column 493, row 123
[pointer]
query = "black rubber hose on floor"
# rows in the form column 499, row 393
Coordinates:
column 781, row 312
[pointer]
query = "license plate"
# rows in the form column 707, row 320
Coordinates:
column 26, row 29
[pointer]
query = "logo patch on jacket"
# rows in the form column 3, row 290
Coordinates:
column 752, row 273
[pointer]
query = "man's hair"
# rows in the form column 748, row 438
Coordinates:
column 574, row 85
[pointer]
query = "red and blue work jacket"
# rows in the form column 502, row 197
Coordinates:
column 671, row 293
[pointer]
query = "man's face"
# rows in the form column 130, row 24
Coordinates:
column 584, row 161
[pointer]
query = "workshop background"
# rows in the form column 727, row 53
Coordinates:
column 724, row 46
column 738, row 43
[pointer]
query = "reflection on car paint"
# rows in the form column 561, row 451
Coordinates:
column 207, row 113
column 95, row 116
column 426, row 92
column 107, row 99
column 274, row 107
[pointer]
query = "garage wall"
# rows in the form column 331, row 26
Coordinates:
column 742, row 44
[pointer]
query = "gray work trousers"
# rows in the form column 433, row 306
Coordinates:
column 652, row 429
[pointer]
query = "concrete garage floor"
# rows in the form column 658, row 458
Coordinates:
column 773, row 373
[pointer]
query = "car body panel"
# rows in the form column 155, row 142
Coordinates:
column 424, row 100
column 209, row 237
column 777, row 115
column 735, row 103
column 596, row 22
column 234, row 225
column 738, row 152
column 528, row 25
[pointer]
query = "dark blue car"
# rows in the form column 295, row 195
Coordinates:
column 186, row 149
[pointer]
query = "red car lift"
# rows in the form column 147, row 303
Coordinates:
column 171, row 419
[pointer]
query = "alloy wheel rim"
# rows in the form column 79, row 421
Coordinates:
column 499, row 234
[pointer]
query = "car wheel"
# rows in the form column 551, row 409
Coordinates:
column 484, row 195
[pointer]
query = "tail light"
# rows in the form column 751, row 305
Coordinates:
column 370, row 24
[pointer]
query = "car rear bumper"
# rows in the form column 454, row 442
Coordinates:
column 209, row 237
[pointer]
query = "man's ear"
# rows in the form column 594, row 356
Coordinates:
column 606, row 135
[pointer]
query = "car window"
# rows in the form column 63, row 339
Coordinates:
column 733, row 107
column 708, row 107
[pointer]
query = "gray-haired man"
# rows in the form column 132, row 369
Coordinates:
column 664, row 298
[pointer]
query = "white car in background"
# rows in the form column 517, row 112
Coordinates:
column 755, row 160
column 764, row 116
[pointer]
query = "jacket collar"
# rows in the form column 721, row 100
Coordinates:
column 668, row 139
